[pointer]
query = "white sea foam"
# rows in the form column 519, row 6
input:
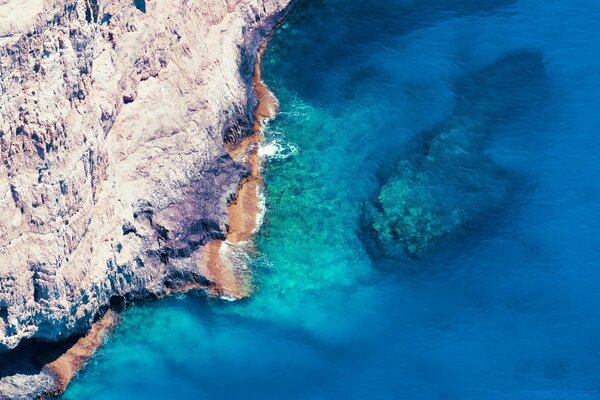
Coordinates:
column 262, row 208
column 276, row 149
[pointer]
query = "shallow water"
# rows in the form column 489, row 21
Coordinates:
column 505, row 306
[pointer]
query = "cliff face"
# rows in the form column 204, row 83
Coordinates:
column 114, row 117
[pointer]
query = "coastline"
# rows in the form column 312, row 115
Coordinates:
column 222, row 262
column 223, row 265
column 55, row 376
column 66, row 366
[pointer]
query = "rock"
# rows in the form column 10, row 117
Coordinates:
column 445, row 182
column 437, row 192
column 25, row 387
column 113, row 122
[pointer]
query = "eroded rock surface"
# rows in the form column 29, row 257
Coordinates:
column 113, row 119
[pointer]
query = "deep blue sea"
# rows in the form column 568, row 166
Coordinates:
column 433, row 223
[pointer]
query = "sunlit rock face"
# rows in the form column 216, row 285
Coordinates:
column 113, row 120
column 445, row 182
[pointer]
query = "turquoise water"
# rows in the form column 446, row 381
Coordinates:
column 432, row 225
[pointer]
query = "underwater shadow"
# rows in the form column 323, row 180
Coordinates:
column 369, row 26
column 442, row 184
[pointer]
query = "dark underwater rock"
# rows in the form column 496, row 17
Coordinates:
column 437, row 193
column 445, row 182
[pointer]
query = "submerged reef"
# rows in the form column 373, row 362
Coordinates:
column 445, row 182
column 437, row 192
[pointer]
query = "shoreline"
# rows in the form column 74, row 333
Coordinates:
column 223, row 265
column 55, row 376
column 64, row 368
column 223, row 262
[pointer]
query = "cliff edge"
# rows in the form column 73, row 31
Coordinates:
column 114, row 120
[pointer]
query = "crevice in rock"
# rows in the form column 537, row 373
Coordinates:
column 163, row 232
column 91, row 11
column 164, row 257
column 117, row 303
column 128, row 228
column 105, row 18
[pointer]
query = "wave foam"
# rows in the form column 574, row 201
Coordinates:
column 277, row 149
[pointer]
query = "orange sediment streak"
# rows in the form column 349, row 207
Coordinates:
column 65, row 367
column 245, row 210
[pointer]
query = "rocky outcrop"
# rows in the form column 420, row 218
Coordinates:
column 445, row 182
column 114, row 116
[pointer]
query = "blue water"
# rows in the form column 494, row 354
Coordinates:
column 433, row 218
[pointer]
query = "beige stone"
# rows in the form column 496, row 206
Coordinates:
column 113, row 171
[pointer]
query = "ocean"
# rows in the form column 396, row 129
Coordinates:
column 433, row 218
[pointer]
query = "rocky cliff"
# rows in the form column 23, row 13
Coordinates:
column 114, row 119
